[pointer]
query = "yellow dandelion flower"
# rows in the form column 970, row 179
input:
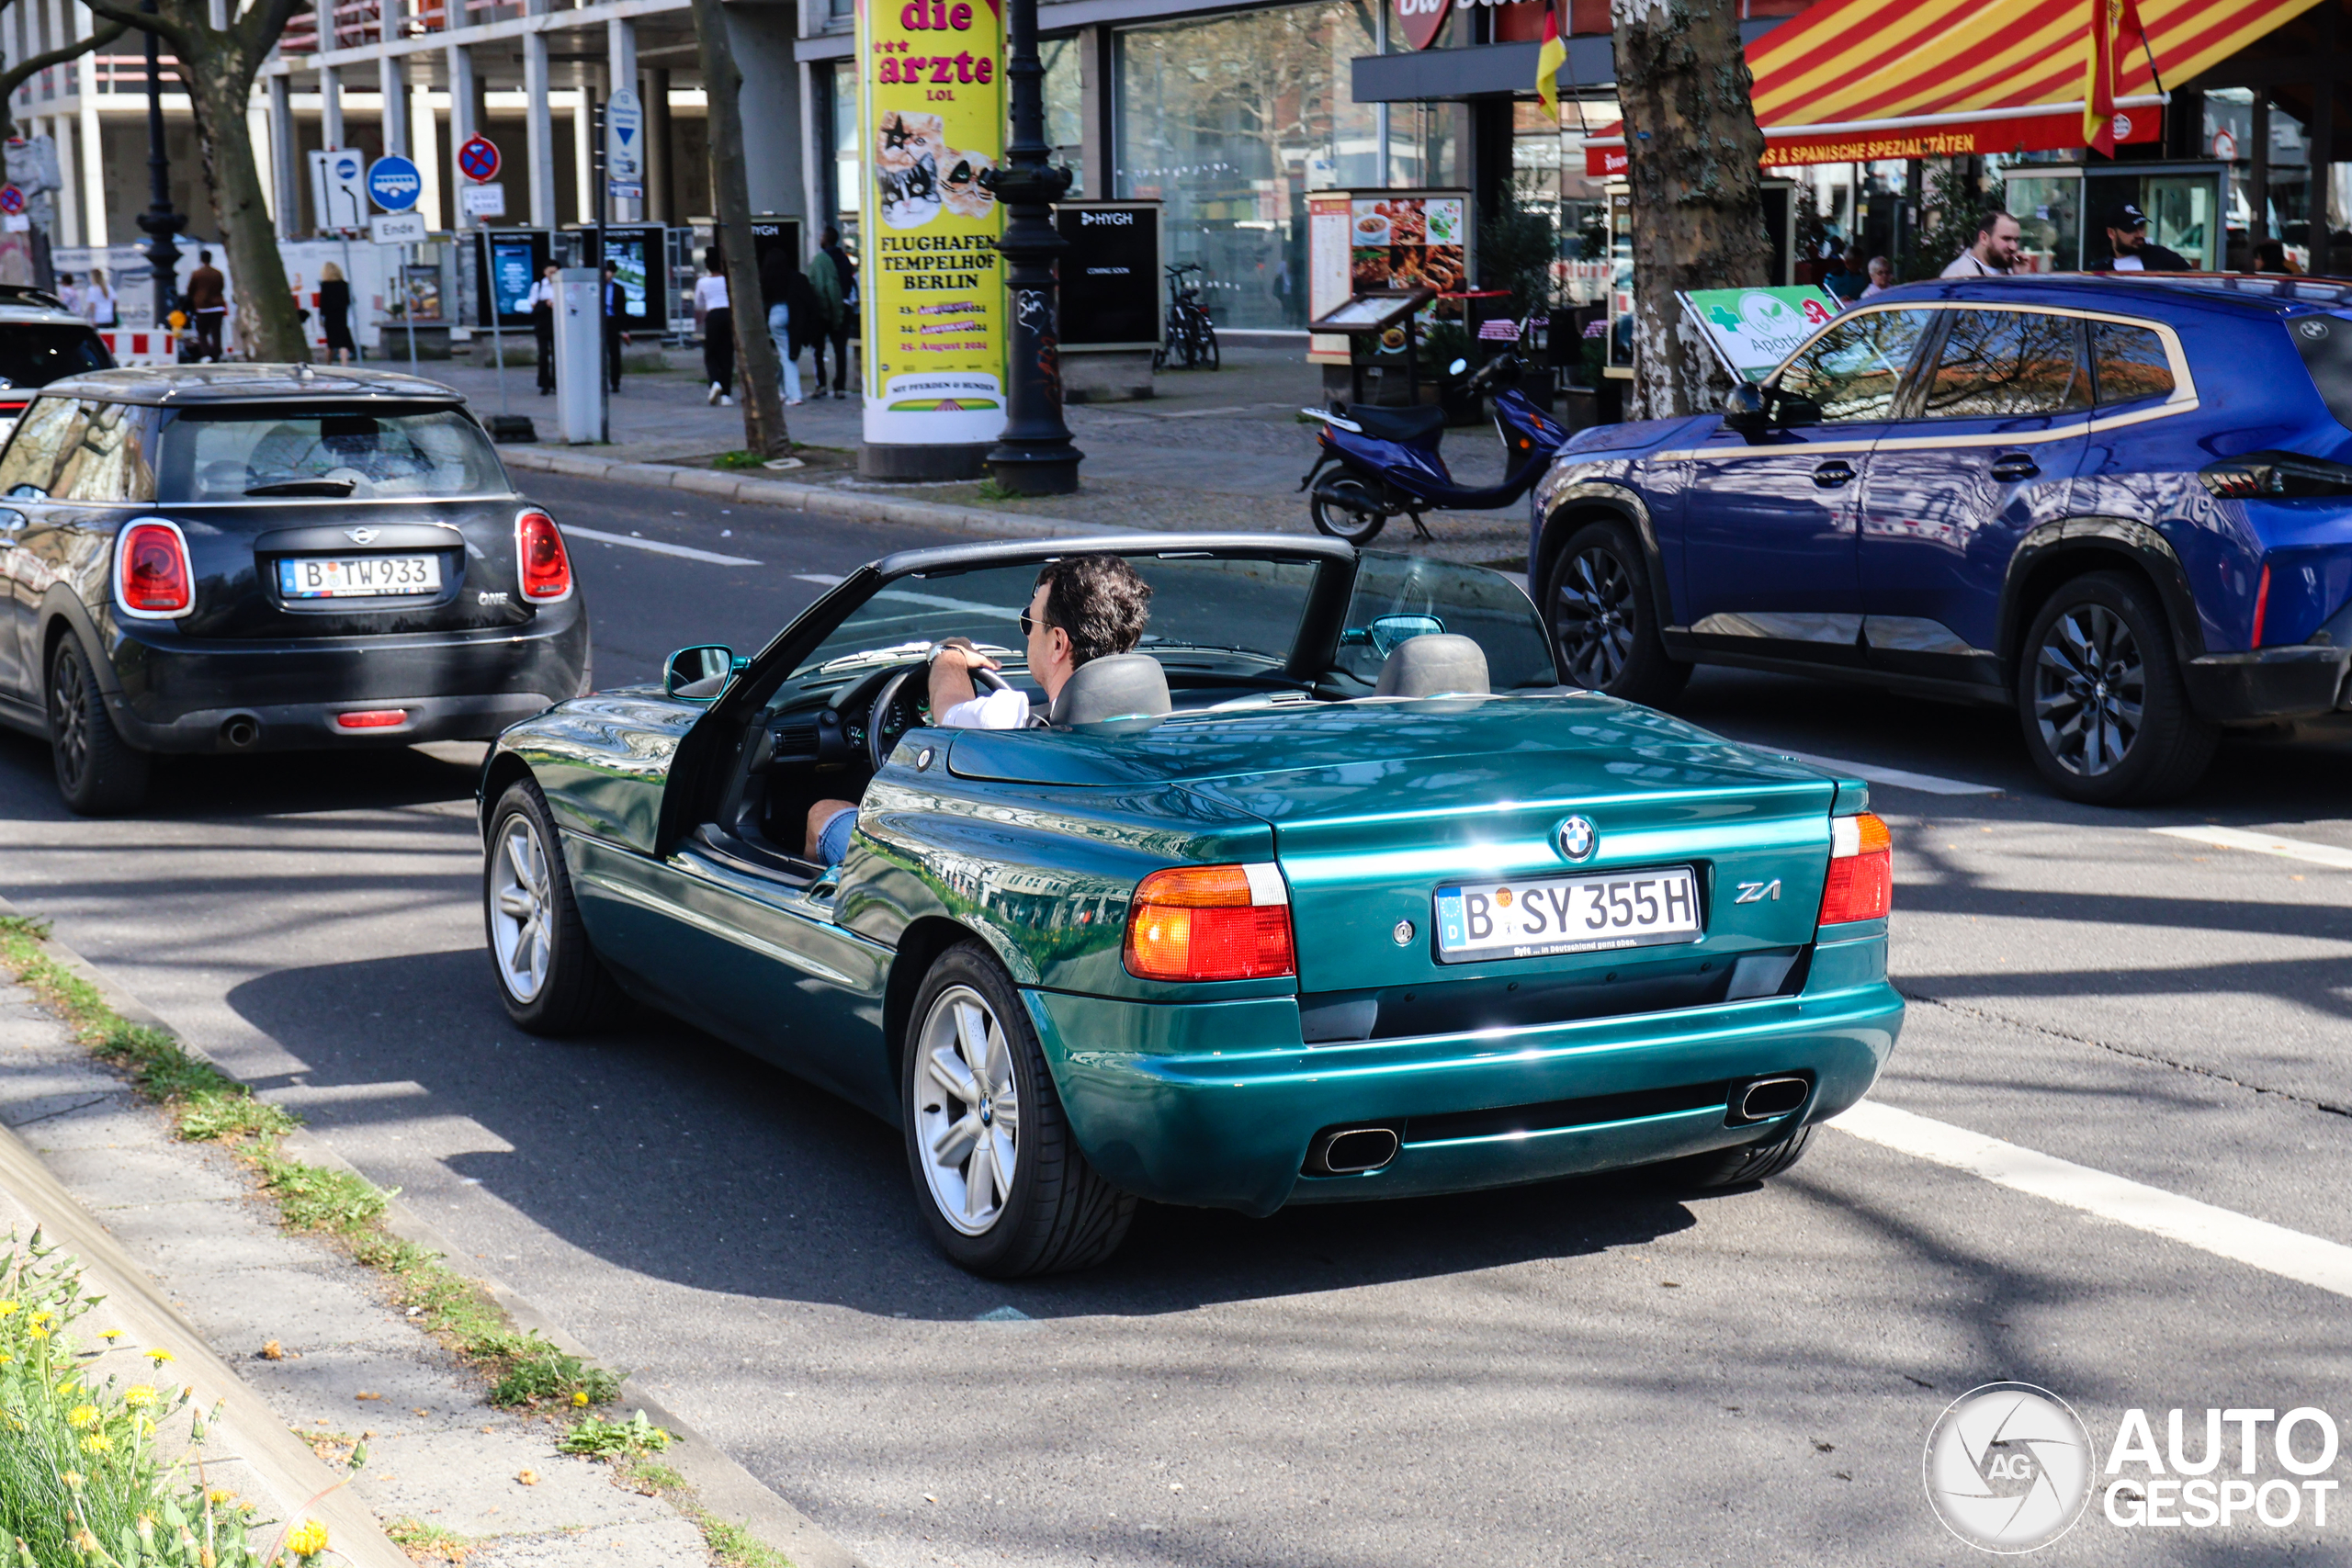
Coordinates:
column 7, row 1309
column 98, row 1443
column 7, row 1361
column 73, row 1479
column 82, row 1416
column 579, row 1397
column 137, row 1394
column 84, row 1541
column 308, row 1541
column 37, row 1333
column 159, row 1356
column 220, row 1495
column 43, row 1319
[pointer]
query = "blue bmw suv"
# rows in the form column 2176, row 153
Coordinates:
column 2123, row 506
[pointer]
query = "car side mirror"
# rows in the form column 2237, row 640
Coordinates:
column 1745, row 410
column 1387, row 631
column 28, row 492
column 699, row 674
column 1792, row 409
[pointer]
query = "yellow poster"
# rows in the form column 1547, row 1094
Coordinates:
column 931, row 100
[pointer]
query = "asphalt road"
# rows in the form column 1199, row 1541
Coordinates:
column 1589, row 1372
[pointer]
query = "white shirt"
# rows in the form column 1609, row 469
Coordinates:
column 542, row 293
column 100, row 308
column 1003, row 708
column 1967, row 264
column 711, row 292
column 2127, row 264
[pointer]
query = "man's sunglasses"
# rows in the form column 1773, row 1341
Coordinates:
column 1029, row 628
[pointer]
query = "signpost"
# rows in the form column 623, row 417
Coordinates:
column 395, row 183
column 478, row 159
column 1753, row 330
column 398, row 229
column 625, row 146
column 12, row 208
column 337, row 193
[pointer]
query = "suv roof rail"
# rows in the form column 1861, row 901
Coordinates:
column 26, row 294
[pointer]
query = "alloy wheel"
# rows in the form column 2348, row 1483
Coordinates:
column 519, row 905
column 1592, row 616
column 2089, row 686
column 968, row 1111
column 69, row 725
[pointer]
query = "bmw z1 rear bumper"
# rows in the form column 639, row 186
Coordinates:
column 185, row 695
column 1220, row 1104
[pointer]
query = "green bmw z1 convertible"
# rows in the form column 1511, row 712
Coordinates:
column 1327, row 891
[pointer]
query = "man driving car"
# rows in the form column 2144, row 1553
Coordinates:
column 1082, row 609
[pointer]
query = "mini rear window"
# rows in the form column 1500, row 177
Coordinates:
column 2325, row 343
column 259, row 453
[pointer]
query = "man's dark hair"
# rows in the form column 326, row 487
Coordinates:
column 1099, row 600
column 833, row 236
column 1991, row 219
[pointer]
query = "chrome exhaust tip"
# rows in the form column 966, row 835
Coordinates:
column 1352, row 1150
column 1764, row 1098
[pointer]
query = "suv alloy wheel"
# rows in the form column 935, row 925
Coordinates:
column 2100, row 697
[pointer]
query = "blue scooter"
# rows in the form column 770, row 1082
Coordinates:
column 1388, row 459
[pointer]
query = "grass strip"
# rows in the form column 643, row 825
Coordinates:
column 206, row 1105
column 730, row 1545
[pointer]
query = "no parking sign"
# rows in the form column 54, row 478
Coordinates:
column 478, row 159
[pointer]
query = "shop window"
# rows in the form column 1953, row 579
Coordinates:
column 1230, row 122
column 1065, row 108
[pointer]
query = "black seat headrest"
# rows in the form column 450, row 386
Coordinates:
column 1437, row 664
column 1118, row 685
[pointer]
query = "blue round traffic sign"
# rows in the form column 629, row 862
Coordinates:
column 12, row 200
column 394, row 184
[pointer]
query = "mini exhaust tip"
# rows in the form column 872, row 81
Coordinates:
column 239, row 730
column 1352, row 1150
column 1766, row 1098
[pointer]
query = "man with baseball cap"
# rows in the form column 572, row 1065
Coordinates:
column 2127, row 239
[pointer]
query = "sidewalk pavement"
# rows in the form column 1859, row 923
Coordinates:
column 1219, row 450
column 190, row 1258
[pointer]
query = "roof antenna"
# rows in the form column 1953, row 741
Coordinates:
column 302, row 371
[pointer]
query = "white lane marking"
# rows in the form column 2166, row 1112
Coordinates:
column 657, row 547
column 1194, row 413
column 2259, row 1244
column 2263, row 844
column 825, row 578
column 1897, row 778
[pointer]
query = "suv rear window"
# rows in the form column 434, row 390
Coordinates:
column 37, row 353
column 256, row 452
column 2325, row 343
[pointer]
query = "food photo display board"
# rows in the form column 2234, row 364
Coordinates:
column 1360, row 241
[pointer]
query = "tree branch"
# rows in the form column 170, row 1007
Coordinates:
column 183, row 38
column 258, row 30
column 16, row 76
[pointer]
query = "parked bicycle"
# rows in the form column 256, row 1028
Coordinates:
column 1191, row 336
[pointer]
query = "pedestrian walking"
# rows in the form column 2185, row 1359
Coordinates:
column 777, row 275
column 616, row 313
column 716, row 321
column 845, row 322
column 97, row 300
column 540, row 302
column 335, row 315
column 1882, row 276
column 68, row 293
column 208, row 302
column 825, row 281
column 1992, row 253
column 2128, row 249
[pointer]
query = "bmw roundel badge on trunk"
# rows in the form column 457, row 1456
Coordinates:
column 1579, row 838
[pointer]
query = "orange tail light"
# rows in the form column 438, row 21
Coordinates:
column 1861, row 871
column 1211, row 922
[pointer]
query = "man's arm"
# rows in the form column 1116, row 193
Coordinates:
column 951, row 673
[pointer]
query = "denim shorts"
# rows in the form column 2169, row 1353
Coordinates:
column 832, row 843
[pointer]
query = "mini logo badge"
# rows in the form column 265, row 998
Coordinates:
column 1579, row 839
column 2009, row 1466
column 360, row 536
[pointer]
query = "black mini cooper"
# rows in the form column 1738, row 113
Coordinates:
column 244, row 558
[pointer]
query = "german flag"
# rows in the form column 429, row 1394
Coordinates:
column 1548, row 61
column 2115, row 32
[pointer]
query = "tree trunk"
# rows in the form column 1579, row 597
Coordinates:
column 730, row 184
column 1695, row 164
column 267, row 325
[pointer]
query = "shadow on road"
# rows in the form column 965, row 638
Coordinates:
column 668, row 1153
column 268, row 784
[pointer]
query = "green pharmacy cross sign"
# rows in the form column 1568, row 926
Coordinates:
column 1753, row 330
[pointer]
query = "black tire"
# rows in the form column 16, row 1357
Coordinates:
column 1737, row 1167
column 1598, row 601
column 2100, row 697
column 574, row 992
column 1209, row 350
column 1357, row 523
column 1056, row 1214
column 98, row 772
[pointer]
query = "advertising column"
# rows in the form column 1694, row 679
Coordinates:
column 931, row 113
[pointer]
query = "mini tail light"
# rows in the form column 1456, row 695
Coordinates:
column 539, row 550
column 1861, row 871
column 1211, row 922
column 153, row 578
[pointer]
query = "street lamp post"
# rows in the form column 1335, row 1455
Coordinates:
column 1035, row 455
column 160, row 221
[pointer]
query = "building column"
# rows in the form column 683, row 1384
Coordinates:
column 92, row 149
column 69, row 195
column 330, row 113
column 425, row 135
column 620, row 55
column 286, row 154
column 462, row 125
column 538, row 136
column 269, row 151
column 391, row 75
column 584, row 152
column 659, row 208
column 1096, row 93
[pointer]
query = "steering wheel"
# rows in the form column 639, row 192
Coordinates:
column 887, row 721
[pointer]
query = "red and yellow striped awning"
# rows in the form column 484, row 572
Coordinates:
column 1849, row 81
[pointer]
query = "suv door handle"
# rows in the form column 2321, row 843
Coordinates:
column 1833, row 473
column 2015, row 466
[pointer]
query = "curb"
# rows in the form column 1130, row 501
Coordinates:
column 849, row 505
column 723, row 1488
